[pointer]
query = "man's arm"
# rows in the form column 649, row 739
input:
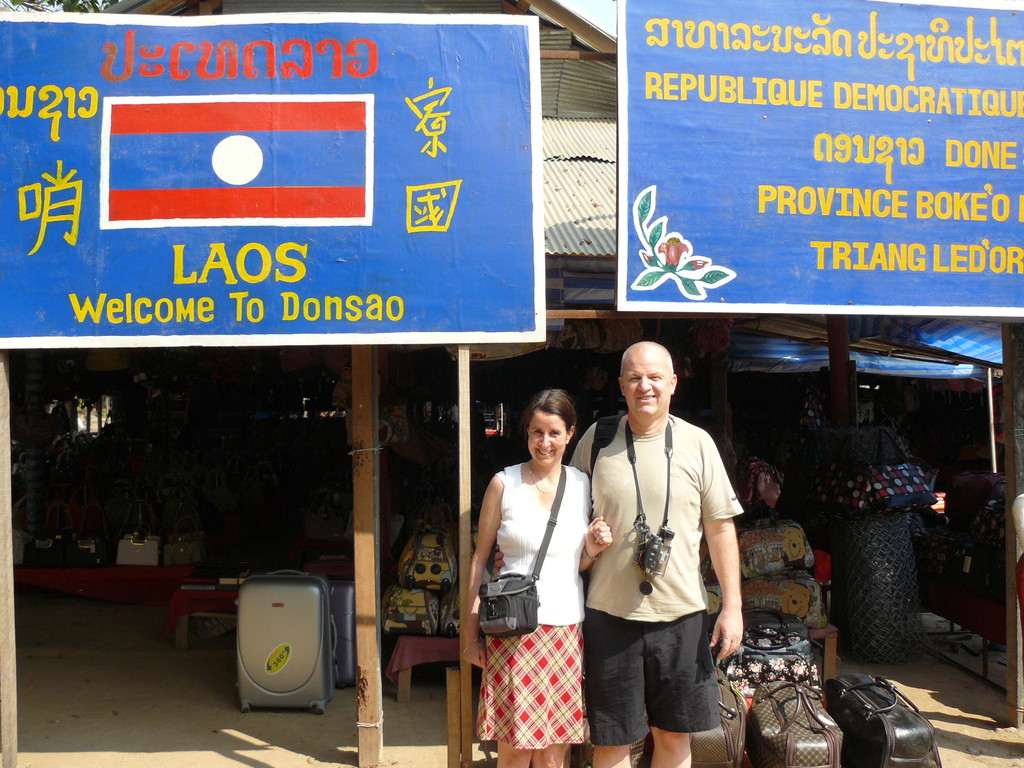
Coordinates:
column 725, row 556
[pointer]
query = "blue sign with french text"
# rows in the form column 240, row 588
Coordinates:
column 258, row 180
column 835, row 156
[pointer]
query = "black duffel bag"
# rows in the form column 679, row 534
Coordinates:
column 881, row 727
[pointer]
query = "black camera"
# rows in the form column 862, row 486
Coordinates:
column 654, row 550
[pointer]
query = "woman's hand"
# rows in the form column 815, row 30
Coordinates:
column 474, row 653
column 598, row 538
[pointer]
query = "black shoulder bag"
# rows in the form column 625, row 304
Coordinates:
column 508, row 605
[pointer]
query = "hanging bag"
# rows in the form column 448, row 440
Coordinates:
column 186, row 544
column 140, row 541
column 91, row 546
column 50, row 547
column 508, row 605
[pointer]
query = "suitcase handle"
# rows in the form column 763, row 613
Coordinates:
column 886, row 687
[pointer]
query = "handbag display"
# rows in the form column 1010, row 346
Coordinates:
column 140, row 545
column 508, row 605
column 428, row 560
column 91, row 547
column 851, row 489
column 881, row 727
column 410, row 611
column 450, row 614
column 49, row 548
column 789, row 728
column 794, row 592
column 771, row 546
column 724, row 745
column 186, row 544
column 775, row 648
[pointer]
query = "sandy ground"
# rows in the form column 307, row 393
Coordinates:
column 101, row 686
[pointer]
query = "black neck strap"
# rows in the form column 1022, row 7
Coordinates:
column 543, row 551
column 640, row 522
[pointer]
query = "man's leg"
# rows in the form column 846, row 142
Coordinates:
column 671, row 750
column 611, row 757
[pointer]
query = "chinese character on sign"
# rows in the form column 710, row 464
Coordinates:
column 429, row 207
column 432, row 122
column 60, row 200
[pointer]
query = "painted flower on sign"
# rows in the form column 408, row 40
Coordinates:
column 669, row 256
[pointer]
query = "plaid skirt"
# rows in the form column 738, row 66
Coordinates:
column 531, row 695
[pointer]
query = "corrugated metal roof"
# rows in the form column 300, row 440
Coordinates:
column 364, row 6
column 578, row 88
column 569, row 139
column 579, row 208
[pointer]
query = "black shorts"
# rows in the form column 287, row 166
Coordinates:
column 642, row 674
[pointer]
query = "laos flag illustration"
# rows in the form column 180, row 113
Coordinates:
column 236, row 161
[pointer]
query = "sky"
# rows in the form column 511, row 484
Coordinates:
column 598, row 12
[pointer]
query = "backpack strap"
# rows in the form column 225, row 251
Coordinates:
column 604, row 433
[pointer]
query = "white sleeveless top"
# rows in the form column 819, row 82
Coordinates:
column 523, row 523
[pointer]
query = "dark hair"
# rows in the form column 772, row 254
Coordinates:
column 554, row 401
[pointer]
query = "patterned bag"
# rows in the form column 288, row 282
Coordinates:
column 769, row 654
column 450, row 613
column 724, row 745
column 794, row 592
column 771, row 546
column 989, row 524
column 789, row 728
column 851, row 489
column 428, row 561
column 410, row 611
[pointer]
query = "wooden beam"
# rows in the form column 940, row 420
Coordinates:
column 839, row 368
column 453, row 692
column 593, row 36
column 612, row 314
column 365, row 460
column 547, row 53
column 1013, row 446
column 465, row 546
column 8, row 671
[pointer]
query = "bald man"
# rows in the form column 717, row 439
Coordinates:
column 660, row 485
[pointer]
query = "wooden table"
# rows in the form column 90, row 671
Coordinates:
column 198, row 603
column 828, row 639
column 417, row 649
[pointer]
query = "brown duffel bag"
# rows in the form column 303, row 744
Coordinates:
column 789, row 728
column 723, row 745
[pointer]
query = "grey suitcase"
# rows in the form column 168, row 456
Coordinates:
column 286, row 641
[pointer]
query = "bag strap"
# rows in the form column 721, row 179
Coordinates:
column 604, row 433
column 542, row 553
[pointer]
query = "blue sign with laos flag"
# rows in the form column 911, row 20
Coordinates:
column 836, row 156
column 258, row 180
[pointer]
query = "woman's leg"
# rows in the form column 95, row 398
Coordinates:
column 510, row 757
column 551, row 756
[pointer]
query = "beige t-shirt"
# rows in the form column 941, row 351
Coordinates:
column 700, row 491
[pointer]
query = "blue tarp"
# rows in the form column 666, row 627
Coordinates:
column 751, row 352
